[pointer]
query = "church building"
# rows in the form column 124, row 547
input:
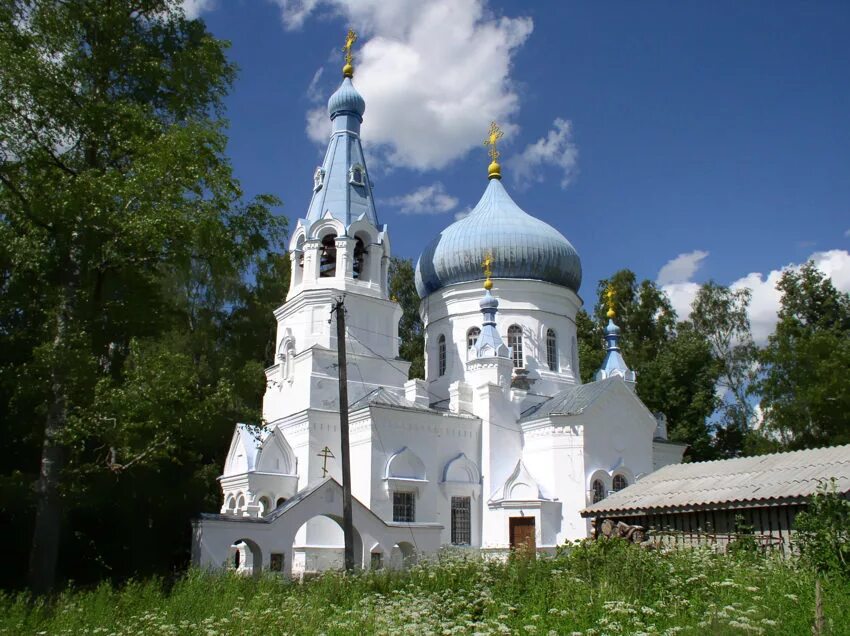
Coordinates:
column 500, row 446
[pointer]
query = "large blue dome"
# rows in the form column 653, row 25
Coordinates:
column 521, row 247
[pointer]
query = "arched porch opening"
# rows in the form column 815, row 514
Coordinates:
column 319, row 545
column 403, row 555
column 245, row 557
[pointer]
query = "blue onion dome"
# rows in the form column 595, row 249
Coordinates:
column 346, row 101
column 612, row 329
column 521, row 246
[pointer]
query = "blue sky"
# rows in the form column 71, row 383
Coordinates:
column 685, row 141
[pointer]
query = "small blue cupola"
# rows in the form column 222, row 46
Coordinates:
column 489, row 343
column 614, row 364
column 341, row 185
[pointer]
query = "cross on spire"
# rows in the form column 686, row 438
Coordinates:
column 488, row 272
column 350, row 39
column 493, row 137
column 610, row 293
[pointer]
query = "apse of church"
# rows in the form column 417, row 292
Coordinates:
column 499, row 447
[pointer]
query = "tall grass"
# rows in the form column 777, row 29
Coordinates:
column 607, row 587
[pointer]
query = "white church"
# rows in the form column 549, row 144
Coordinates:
column 500, row 446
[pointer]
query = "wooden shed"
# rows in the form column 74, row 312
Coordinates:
column 709, row 501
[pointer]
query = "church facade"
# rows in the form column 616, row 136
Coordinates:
column 501, row 445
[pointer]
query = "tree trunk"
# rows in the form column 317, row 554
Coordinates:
column 44, row 551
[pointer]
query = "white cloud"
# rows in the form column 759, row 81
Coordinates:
column 432, row 199
column 194, row 8
column 765, row 301
column 682, row 268
column 847, row 233
column 462, row 214
column 434, row 74
column 314, row 91
column 555, row 149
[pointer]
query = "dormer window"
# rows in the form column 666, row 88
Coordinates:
column 356, row 175
column 318, row 179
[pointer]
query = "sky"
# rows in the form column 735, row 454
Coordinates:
column 685, row 141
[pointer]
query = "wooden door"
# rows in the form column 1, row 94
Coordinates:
column 522, row 534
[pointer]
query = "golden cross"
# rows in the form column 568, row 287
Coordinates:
column 488, row 261
column 350, row 39
column 610, row 293
column 326, row 452
column 493, row 136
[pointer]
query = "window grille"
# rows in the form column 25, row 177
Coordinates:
column 598, row 489
column 441, row 356
column 515, row 343
column 472, row 337
column 404, row 506
column 461, row 521
column 620, row 482
column 552, row 350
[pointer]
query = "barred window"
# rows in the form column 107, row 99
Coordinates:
column 598, row 489
column 620, row 482
column 441, row 356
column 461, row 525
column 404, row 506
column 515, row 343
column 552, row 350
column 472, row 337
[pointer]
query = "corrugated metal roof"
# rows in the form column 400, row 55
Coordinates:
column 743, row 481
column 570, row 401
column 386, row 397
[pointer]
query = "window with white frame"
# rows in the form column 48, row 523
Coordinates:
column 441, row 355
column 551, row 350
column 597, row 489
column 461, row 521
column 404, row 506
column 472, row 337
column 515, row 343
column 619, row 482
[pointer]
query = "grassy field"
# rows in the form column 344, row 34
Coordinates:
column 607, row 588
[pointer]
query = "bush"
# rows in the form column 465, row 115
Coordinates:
column 823, row 531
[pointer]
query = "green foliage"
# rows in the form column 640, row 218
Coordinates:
column 823, row 532
column 804, row 391
column 411, row 333
column 135, row 280
column 591, row 588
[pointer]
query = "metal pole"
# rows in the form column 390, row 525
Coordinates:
column 347, row 523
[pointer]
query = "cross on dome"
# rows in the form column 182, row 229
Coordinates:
column 494, row 171
column 350, row 39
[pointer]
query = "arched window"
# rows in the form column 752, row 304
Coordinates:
column 359, row 257
column 598, row 490
column 472, row 337
column 441, row 356
column 327, row 265
column 280, row 501
column 515, row 343
column 265, row 506
column 552, row 350
column 620, row 482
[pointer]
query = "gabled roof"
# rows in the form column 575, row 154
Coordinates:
column 742, row 482
column 570, row 401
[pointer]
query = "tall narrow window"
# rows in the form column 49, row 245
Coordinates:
column 620, row 482
column 515, row 343
column 441, row 356
column 472, row 337
column 551, row 350
column 598, row 489
column 404, row 507
column 461, row 523
column 359, row 257
column 327, row 265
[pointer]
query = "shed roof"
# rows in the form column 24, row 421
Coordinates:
column 742, row 482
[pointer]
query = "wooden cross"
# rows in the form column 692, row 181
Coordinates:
column 325, row 453
column 350, row 39
column 493, row 136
